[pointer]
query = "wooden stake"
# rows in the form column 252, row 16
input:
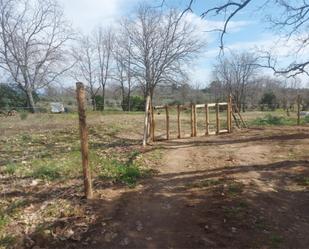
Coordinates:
column 152, row 124
column 146, row 121
column 192, row 122
column 217, row 119
column 178, row 121
column 298, row 109
column 80, row 96
column 228, row 118
column 195, row 120
column 167, row 123
column 207, row 119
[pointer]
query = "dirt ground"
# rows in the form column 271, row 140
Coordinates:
column 248, row 189
column 242, row 190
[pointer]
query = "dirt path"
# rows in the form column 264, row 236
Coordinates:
column 230, row 191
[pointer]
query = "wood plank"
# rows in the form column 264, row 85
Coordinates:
column 83, row 132
column 217, row 119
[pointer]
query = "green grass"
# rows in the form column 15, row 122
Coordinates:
column 235, row 188
column 6, row 241
column 272, row 120
column 127, row 173
column 10, row 169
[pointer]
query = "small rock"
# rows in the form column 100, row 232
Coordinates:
column 34, row 183
column 139, row 226
column 124, row 242
column 206, row 227
column 148, row 238
column 234, row 229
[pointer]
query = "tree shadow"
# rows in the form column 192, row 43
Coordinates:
column 199, row 209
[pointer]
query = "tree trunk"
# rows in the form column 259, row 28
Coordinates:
column 30, row 101
column 103, row 96
column 94, row 104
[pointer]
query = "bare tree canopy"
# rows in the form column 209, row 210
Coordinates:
column 234, row 74
column 291, row 21
column 162, row 44
column 32, row 39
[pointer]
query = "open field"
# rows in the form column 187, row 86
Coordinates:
column 248, row 189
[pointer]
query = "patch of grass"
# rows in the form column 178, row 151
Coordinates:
column 7, row 241
column 127, row 173
column 272, row 120
column 48, row 171
column 10, row 169
column 235, row 188
column 275, row 241
column 236, row 211
column 3, row 220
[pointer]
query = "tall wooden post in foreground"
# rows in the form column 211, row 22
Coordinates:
column 194, row 120
column 80, row 96
column 298, row 109
column 146, row 123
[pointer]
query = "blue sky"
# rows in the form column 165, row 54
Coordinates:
column 247, row 31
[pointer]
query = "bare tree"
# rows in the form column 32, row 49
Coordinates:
column 162, row 44
column 123, row 69
column 33, row 35
column 235, row 73
column 104, row 45
column 291, row 20
column 87, row 66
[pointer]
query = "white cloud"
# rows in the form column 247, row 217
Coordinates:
column 86, row 14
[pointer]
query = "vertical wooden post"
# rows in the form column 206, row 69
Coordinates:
column 298, row 109
column 192, row 122
column 167, row 123
column 178, row 121
column 207, row 119
column 146, row 123
column 80, row 96
column 217, row 118
column 152, row 124
column 228, row 117
column 195, row 120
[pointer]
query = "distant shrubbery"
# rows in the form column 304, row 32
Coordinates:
column 273, row 120
column 12, row 96
column 137, row 103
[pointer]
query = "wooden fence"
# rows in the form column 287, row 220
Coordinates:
column 193, row 118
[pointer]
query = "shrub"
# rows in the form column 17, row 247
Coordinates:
column 272, row 120
column 137, row 103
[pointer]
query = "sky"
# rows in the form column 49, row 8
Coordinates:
column 248, row 30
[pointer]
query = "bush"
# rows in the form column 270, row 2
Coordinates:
column 137, row 103
column 272, row 120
